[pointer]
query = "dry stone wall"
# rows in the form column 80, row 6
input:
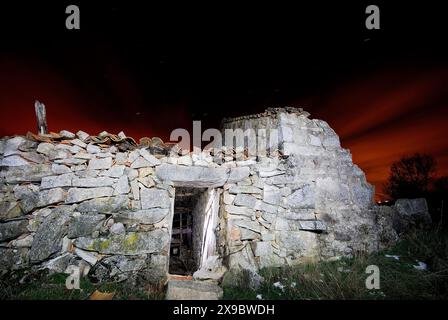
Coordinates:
column 77, row 202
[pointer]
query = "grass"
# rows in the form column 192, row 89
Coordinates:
column 52, row 287
column 345, row 279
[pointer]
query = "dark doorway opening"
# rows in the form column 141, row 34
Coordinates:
column 184, row 252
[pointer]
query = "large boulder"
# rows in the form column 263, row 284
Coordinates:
column 411, row 213
column 48, row 238
column 132, row 243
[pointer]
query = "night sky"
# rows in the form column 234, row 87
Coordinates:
column 147, row 70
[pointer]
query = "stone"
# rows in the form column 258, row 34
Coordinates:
column 204, row 274
column 10, row 210
column 246, row 163
column 91, row 148
column 238, row 174
column 131, row 173
column 13, row 229
column 234, row 189
column 272, row 195
column 140, row 162
column 93, row 182
column 152, row 198
column 67, row 134
column 249, row 212
column 149, row 157
column 268, row 174
column 87, row 256
column 121, row 135
column 64, row 180
column 302, row 198
column 244, row 278
column 144, row 172
column 301, row 243
column 13, row 258
column 29, row 173
column 84, row 155
column 22, row 191
column 121, row 158
column 313, row 225
column 57, row 154
column 192, row 290
column 60, row 169
column 60, row 263
column 135, row 190
column 84, row 225
column 262, row 206
column 25, row 241
column 105, row 205
column 119, row 268
column 13, row 161
column 410, row 213
column 83, row 136
column 115, row 172
column 262, row 248
column 147, row 182
column 42, row 199
column 156, row 272
column 249, row 225
column 332, row 190
column 48, row 238
column 45, row 148
column 117, row 228
column 200, row 177
column 228, row 198
column 63, row 146
column 298, row 214
column 132, row 243
column 147, row 216
column 211, row 269
column 12, row 145
column 133, row 155
column 104, row 155
column 76, row 149
column 185, row 160
column 80, row 194
column 267, row 236
column 122, row 186
column 33, row 157
column 411, row 207
column 246, row 200
column 84, row 174
column 100, row 164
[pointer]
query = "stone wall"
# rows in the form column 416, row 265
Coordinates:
column 77, row 201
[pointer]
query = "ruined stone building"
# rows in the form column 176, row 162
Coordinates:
column 123, row 208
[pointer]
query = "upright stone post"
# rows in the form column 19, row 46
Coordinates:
column 41, row 117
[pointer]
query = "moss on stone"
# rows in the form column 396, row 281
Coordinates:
column 130, row 241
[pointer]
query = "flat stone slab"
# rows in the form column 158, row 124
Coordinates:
column 183, row 176
column 192, row 290
column 132, row 243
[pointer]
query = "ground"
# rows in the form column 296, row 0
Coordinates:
column 416, row 268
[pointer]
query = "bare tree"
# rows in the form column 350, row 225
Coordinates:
column 411, row 176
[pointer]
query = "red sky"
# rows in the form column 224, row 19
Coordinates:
column 385, row 116
column 379, row 116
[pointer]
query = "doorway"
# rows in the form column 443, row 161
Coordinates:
column 193, row 237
